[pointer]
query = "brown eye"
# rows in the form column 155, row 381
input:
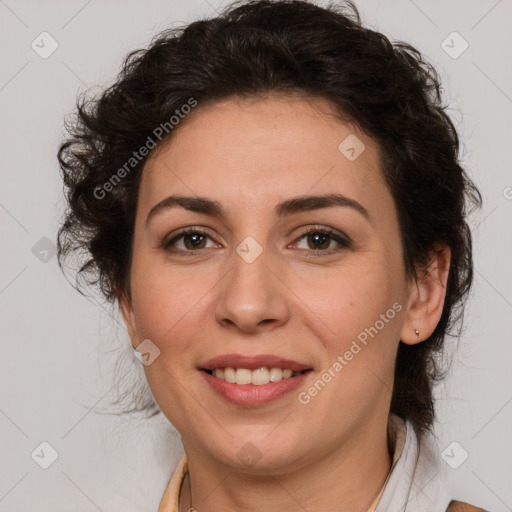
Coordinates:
column 187, row 242
column 323, row 241
column 195, row 241
column 318, row 241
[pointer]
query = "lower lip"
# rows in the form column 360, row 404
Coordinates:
column 250, row 394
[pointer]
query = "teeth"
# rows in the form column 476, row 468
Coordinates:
column 260, row 376
column 229, row 375
column 287, row 374
column 244, row 376
column 276, row 374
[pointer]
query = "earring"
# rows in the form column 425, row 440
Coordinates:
column 417, row 334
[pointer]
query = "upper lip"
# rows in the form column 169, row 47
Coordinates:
column 252, row 362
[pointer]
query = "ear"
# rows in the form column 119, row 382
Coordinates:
column 426, row 297
column 129, row 318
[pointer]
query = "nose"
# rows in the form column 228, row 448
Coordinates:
column 252, row 296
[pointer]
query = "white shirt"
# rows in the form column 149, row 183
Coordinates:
column 414, row 483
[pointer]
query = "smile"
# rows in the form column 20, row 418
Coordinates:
column 258, row 377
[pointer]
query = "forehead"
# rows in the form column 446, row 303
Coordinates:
column 260, row 150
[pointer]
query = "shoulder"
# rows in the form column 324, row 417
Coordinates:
column 458, row 506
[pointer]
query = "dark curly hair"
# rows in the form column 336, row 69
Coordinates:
column 252, row 49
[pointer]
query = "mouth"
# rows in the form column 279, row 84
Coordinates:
column 258, row 377
column 253, row 381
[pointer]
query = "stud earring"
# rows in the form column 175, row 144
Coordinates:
column 417, row 334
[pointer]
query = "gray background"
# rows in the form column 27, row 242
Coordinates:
column 59, row 348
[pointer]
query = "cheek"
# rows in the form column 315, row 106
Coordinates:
column 343, row 302
column 168, row 301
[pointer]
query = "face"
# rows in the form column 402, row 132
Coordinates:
column 258, row 280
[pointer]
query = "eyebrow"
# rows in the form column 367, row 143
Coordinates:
column 289, row 207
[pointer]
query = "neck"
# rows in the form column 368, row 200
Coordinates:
column 348, row 478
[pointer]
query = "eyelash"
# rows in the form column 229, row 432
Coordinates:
column 343, row 241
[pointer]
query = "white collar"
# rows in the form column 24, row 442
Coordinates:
column 415, row 482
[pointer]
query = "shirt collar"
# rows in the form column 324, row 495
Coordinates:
column 408, row 471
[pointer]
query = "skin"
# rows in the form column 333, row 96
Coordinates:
column 249, row 155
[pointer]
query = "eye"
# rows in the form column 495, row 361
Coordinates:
column 188, row 240
column 319, row 241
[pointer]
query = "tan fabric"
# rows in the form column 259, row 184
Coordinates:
column 171, row 496
column 170, row 499
column 458, row 506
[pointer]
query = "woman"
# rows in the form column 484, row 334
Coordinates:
column 274, row 199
